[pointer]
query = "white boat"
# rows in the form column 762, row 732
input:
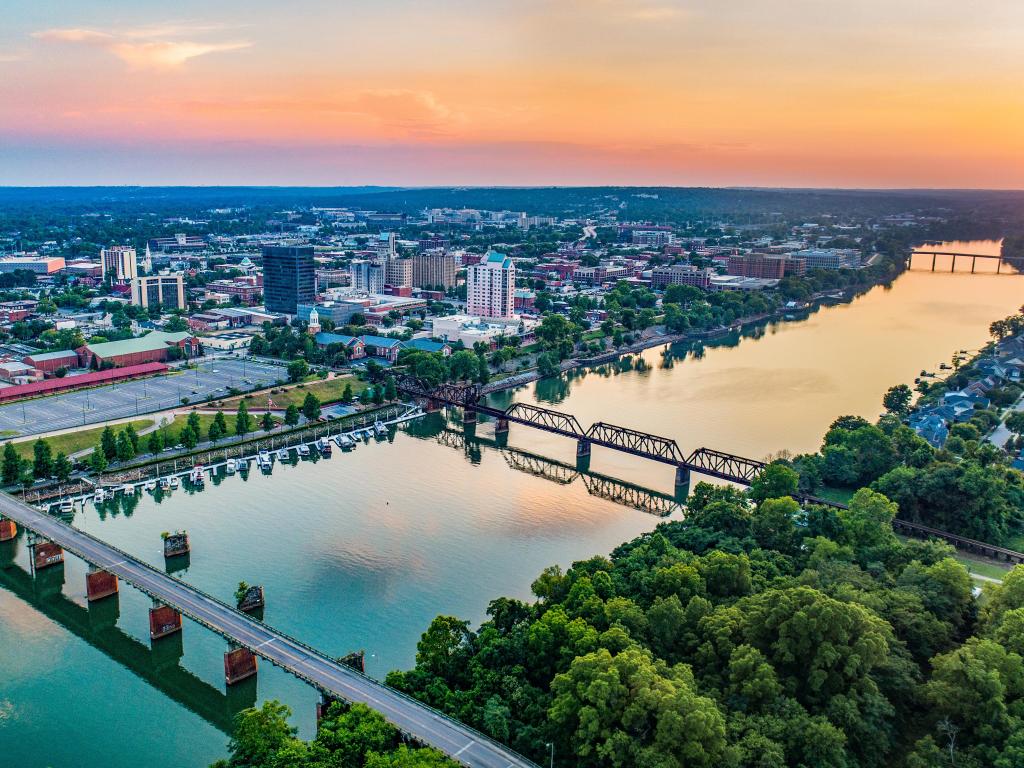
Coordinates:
column 127, row 488
column 242, row 465
column 175, row 481
column 282, row 454
column 265, row 463
column 165, row 484
column 197, row 475
column 263, row 456
column 324, row 446
column 303, row 449
column 151, row 485
column 380, row 429
column 66, row 507
column 230, row 466
column 345, row 442
column 100, row 496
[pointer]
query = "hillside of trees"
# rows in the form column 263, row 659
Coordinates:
column 751, row 634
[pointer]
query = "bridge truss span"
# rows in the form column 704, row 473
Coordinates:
column 635, row 442
column 545, row 418
column 726, row 466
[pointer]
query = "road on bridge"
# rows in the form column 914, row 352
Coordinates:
column 410, row 716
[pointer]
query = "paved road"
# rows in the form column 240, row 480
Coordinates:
column 133, row 398
column 422, row 723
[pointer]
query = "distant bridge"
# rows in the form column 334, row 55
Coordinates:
column 999, row 259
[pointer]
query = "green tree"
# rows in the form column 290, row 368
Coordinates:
column 11, row 464
column 97, row 460
column 125, row 450
column 366, row 396
column 291, row 415
column 346, row 396
column 62, row 467
column 483, row 370
column 443, row 648
column 216, row 431
column 108, row 443
column 298, row 369
column 189, row 437
column 260, row 734
column 267, row 422
column 390, row 390
column 194, row 422
column 378, row 395
column 628, row 710
column 462, row 365
column 133, row 437
column 773, row 482
column 897, row 399
column 42, row 459
column 155, row 443
column 311, row 407
column 243, row 421
column 546, row 365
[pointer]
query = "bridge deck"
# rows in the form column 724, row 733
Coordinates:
column 411, row 717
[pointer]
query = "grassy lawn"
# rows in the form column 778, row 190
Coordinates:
column 328, row 390
column 982, row 567
column 72, row 442
column 841, row 495
column 172, row 431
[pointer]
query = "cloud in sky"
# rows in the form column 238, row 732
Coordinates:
column 160, row 46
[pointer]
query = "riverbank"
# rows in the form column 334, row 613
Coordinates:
column 659, row 338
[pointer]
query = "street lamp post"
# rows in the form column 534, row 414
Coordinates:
column 551, row 745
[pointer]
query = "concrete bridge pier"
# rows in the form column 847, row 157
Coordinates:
column 468, row 416
column 323, row 706
column 501, row 427
column 432, row 405
column 163, row 621
column 239, row 664
column 99, row 584
column 46, row 554
column 682, row 481
column 8, row 529
column 582, row 448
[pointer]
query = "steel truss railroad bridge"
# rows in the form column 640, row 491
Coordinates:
column 703, row 461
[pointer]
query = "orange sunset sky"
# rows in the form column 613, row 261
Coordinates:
column 902, row 93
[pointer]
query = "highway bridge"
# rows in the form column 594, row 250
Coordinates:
column 334, row 679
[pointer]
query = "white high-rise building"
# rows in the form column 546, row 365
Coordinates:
column 120, row 262
column 367, row 277
column 490, row 286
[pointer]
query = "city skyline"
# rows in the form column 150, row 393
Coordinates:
column 529, row 93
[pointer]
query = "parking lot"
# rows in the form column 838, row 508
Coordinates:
column 126, row 399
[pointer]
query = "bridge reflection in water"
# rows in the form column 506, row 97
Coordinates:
column 97, row 625
column 466, row 440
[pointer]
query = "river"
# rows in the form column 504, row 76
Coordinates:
column 362, row 550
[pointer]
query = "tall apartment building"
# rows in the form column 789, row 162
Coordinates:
column 163, row 291
column 120, row 263
column 385, row 246
column 398, row 273
column 366, row 277
column 490, row 286
column 757, row 265
column 288, row 277
column 681, row 274
column 430, row 269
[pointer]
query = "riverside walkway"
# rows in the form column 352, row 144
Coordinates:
column 411, row 717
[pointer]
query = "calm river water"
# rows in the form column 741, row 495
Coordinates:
column 362, row 550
